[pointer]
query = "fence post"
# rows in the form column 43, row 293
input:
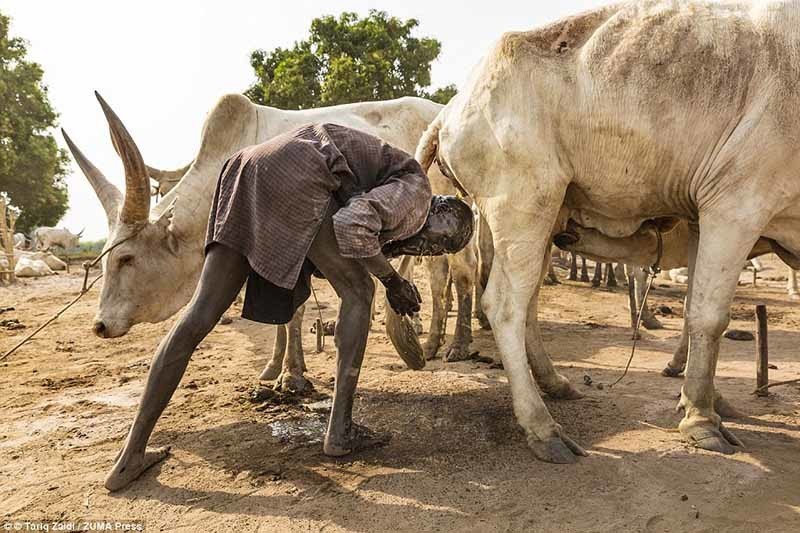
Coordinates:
column 762, row 351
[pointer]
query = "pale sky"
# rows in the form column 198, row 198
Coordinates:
column 162, row 64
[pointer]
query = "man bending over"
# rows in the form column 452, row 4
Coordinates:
column 323, row 197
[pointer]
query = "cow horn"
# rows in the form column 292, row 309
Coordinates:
column 136, row 207
column 109, row 195
column 168, row 175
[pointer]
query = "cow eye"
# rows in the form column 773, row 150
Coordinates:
column 125, row 260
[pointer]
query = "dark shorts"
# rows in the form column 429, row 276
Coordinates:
column 267, row 303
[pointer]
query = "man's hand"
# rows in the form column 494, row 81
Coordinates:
column 403, row 295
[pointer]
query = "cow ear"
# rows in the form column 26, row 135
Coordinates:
column 165, row 218
column 165, row 222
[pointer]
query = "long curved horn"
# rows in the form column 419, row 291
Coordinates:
column 136, row 207
column 168, row 175
column 110, row 197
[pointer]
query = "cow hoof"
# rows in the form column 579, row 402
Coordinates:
column 670, row 372
column 558, row 450
column 289, row 384
column 360, row 438
column 563, row 390
column 124, row 473
column 457, row 352
column 652, row 322
column 707, row 437
column 271, row 371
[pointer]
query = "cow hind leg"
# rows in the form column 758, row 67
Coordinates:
column 462, row 268
column 584, row 271
column 677, row 364
column 722, row 243
column 573, row 266
column 485, row 254
column 597, row 279
column 438, row 268
column 273, row 368
column 549, row 380
column 291, row 379
column 513, row 283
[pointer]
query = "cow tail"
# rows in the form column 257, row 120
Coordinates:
column 428, row 146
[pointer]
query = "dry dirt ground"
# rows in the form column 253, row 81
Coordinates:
column 457, row 460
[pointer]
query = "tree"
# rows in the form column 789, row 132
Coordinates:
column 32, row 168
column 348, row 59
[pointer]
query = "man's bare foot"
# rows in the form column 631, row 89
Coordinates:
column 361, row 438
column 127, row 470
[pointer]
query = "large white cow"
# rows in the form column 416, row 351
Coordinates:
column 153, row 269
column 44, row 238
column 657, row 110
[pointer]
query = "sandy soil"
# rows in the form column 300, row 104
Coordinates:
column 457, row 460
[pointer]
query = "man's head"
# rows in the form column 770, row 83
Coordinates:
column 447, row 230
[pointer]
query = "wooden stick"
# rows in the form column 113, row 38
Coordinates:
column 320, row 335
column 762, row 351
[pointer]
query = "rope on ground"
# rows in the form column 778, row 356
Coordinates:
column 651, row 274
column 636, row 328
column 53, row 318
column 87, row 265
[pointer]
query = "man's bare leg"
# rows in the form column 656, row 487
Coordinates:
column 354, row 286
column 224, row 273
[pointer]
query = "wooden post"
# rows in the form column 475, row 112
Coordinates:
column 320, row 335
column 762, row 350
column 8, row 219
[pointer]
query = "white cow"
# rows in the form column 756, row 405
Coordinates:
column 661, row 110
column 28, row 267
column 44, row 238
column 20, row 241
column 154, row 267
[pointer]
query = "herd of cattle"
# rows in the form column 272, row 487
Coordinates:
column 33, row 257
column 638, row 133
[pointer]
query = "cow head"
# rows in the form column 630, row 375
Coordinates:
column 145, row 258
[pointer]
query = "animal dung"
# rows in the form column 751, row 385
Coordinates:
column 739, row 335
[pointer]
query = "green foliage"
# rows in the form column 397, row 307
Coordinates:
column 94, row 247
column 444, row 94
column 348, row 59
column 32, row 168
